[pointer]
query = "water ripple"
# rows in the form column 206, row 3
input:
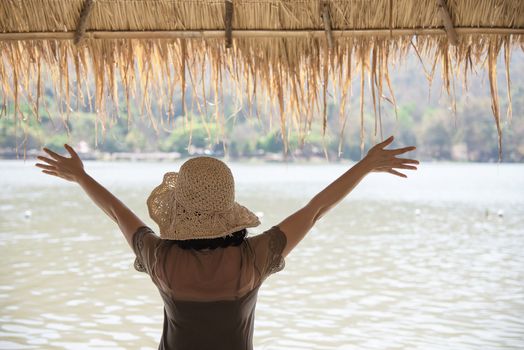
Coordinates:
column 382, row 273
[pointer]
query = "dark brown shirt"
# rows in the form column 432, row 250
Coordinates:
column 209, row 296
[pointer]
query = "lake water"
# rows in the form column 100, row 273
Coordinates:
column 434, row 261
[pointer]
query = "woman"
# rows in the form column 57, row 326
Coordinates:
column 205, row 268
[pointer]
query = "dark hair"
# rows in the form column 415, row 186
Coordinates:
column 234, row 239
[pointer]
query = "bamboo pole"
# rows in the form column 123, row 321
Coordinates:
column 228, row 23
column 82, row 21
column 327, row 25
column 212, row 34
column 448, row 24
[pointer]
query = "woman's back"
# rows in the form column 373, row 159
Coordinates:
column 209, row 296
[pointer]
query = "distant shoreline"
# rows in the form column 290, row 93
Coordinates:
column 175, row 156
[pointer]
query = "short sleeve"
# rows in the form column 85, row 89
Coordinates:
column 267, row 248
column 145, row 244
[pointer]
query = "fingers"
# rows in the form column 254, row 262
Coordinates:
column 381, row 145
column 47, row 167
column 54, row 173
column 47, row 160
column 394, row 172
column 53, row 154
column 406, row 167
column 49, row 172
column 71, row 151
column 407, row 160
column 402, row 150
column 386, row 141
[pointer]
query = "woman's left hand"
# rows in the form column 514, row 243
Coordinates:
column 379, row 159
column 71, row 169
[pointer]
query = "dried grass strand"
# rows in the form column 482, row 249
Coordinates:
column 278, row 58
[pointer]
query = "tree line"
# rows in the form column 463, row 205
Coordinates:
column 423, row 117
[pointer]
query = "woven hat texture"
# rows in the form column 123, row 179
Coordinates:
column 198, row 202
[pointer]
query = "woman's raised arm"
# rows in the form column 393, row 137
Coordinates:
column 296, row 226
column 72, row 169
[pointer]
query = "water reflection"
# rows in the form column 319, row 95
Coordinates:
column 424, row 270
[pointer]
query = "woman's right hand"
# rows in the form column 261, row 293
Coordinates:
column 70, row 169
column 379, row 159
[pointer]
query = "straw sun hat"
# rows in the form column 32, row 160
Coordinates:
column 198, row 202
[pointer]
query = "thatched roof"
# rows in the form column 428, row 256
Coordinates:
column 286, row 52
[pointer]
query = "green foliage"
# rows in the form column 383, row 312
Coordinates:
column 271, row 142
column 248, row 149
column 406, row 115
column 179, row 139
column 438, row 132
column 56, row 142
column 135, row 140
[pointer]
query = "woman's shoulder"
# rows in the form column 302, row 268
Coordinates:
column 267, row 249
column 272, row 236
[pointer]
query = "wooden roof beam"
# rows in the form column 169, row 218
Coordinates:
column 229, row 23
column 326, row 18
column 82, row 21
column 448, row 24
column 242, row 33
